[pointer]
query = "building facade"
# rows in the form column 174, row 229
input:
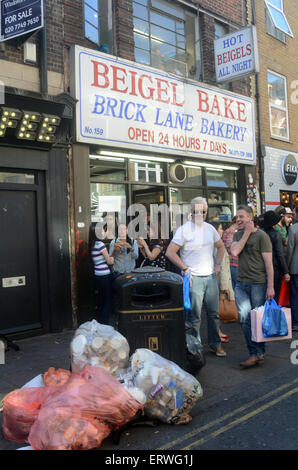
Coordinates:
column 35, row 119
column 152, row 126
column 140, row 119
column 277, row 23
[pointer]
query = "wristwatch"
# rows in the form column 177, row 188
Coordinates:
column 218, row 262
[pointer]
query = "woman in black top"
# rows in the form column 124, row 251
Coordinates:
column 153, row 251
column 280, row 266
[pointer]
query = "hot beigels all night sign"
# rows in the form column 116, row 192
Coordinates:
column 132, row 106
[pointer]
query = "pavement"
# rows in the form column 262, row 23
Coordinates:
column 220, row 378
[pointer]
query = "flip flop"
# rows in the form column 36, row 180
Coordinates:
column 224, row 335
column 224, row 340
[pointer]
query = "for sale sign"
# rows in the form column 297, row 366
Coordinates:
column 128, row 105
column 19, row 17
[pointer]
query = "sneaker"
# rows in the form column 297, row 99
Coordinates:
column 219, row 351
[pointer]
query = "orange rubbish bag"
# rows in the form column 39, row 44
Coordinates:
column 20, row 410
column 86, row 409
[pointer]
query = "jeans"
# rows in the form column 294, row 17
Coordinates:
column 249, row 296
column 294, row 298
column 205, row 289
column 104, row 288
column 234, row 274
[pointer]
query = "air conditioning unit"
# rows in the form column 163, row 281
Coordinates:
column 177, row 173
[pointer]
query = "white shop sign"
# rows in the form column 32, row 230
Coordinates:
column 236, row 54
column 127, row 105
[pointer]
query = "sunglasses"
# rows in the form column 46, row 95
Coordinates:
column 199, row 212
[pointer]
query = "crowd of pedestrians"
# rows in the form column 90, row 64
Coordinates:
column 249, row 261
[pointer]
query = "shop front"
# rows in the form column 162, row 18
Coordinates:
column 281, row 178
column 34, row 250
column 149, row 140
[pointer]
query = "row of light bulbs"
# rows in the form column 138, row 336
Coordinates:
column 30, row 125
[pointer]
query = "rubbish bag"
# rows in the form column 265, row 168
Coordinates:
column 274, row 321
column 284, row 295
column 99, row 345
column 20, row 410
column 194, row 354
column 170, row 391
column 56, row 378
column 186, row 287
column 83, row 412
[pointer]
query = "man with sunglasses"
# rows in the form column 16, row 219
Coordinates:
column 197, row 240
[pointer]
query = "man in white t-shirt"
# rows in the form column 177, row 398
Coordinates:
column 197, row 241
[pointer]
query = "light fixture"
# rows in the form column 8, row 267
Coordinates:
column 28, row 125
column 138, row 157
column 8, row 119
column 112, row 159
column 48, row 127
column 214, row 169
column 211, row 166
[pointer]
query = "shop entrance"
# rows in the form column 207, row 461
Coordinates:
column 289, row 199
column 22, row 252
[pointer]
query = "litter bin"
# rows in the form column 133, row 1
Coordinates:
column 150, row 311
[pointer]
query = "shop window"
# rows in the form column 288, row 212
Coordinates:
column 146, row 172
column 274, row 8
column 166, row 37
column 107, row 199
column 97, row 23
column 17, row 178
column 220, row 178
column 278, row 107
column 221, row 205
column 106, row 170
column 180, row 199
column 193, row 176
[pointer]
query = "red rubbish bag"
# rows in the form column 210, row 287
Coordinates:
column 284, row 295
column 20, row 410
column 86, row 409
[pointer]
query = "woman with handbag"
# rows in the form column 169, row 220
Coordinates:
column 227, row 305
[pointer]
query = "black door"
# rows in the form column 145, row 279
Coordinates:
column 22, row 252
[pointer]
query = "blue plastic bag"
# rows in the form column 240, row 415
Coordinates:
column 274, row 321
column 186, row 281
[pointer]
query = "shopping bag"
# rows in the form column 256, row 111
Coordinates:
column 284, row 295
column 186, row 287
column 274, row 321
column 256, row 316
column 227, row 308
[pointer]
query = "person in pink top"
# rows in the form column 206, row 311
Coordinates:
column 228, row 240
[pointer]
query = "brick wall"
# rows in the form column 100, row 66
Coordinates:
column 280, row 58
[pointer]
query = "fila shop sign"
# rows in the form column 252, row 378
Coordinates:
column 289, row 169
column 128, row 105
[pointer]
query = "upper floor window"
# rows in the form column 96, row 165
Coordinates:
column 165, row 36
column 275, row 13
column 91, row 19
column 98, row 23
column 272, row 30
column 278, row 107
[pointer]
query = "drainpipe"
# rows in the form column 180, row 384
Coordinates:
column 43, row 70
column 260, row 146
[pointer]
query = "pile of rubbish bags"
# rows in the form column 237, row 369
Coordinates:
column 105, row 390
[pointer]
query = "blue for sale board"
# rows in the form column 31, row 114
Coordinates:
column 20, row 17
